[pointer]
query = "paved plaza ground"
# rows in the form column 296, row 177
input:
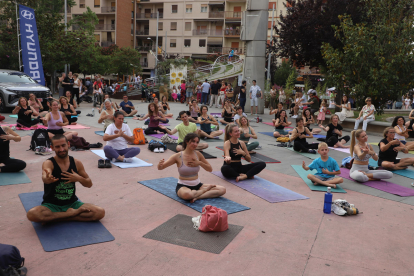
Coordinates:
column 289, row 238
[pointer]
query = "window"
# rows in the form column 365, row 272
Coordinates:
column 202, row 43
column 187, row 42
column 160, row 26
column 203, row 7
column 81, row 3
column 132, row 14
column 174, row 8
column 97, row 37
column 97, row 3
column 173, row 43
column 187, row 26
column 173, row 26
column 189, row 8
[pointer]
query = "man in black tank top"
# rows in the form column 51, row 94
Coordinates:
column 60, row 174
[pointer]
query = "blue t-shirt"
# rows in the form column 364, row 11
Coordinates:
column 126, row 109
column 331, row 165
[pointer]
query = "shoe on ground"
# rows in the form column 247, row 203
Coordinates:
column 161, row 150
column 101, row 163
column 157, row 150
column 128, row 160
column 258, row 147
column 312, row 151
column 108, row 163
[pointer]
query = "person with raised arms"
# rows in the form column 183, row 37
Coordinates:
column 24, row 114
column 334, row 136
column 60, row 174
column 205, row 122
column 189, row 161
column 155, row 117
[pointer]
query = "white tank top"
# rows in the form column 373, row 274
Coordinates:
column 399, row 137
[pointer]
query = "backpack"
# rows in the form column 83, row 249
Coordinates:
column 40, row 138
column 79, row 142
column 11, row 262
column 139, row 138
column 153, row 144
column 212, row 219
column 283, row 139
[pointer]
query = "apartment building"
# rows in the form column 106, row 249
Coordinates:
column 193, row 29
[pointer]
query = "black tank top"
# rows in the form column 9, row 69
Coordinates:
column 301, row 140
column 232, row 154
column 281, row 121
column 227, row 115
column 24, row 117
column 308, row 125
column 164, row 106
column 59, row 192
column 4, row 146
column 66, row 109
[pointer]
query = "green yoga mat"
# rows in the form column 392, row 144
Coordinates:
column 14, row 178
column 304, row 175
column 13, row 116
column 308, row 155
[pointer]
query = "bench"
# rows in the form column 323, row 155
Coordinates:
column 349, row 123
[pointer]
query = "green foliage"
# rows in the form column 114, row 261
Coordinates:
column 85, row 21
column 308, row 84
column 290, row 83
column 282, row 73
column 126, row 60
column 377, row 59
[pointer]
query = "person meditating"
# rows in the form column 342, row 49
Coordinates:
column 234, row 150
column 276, row 111
column 37, row 105
column 165, row 107
column 183, row 129
column 8, row 164
column 308, row 121
column 362, row 152
column 334, row 131
column 194, row 111
column 24, row 114
column 247, row 132
column 68, row 110
column 155, row 117
column 60, row 174
column 55, row 120
column 299, row 135
column 227, row 113
column 401, row 132
column 389, row 148
column 128, row 108
column 205, row 122
column 107, row 115
column 117, row 136
column 189, row 161
column 280, row 123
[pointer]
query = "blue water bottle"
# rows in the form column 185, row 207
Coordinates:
column 328, row 202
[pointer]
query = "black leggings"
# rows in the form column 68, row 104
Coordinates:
column 333, row 140
column 153, row 130
column 72, row 119
column 304, row 146
column 12, row 165
column 234, row 169
column 28, row 124
column 75, row 92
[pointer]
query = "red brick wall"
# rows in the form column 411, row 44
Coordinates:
column 123, row 23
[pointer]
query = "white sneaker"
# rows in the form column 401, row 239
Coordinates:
column 161, row 150
column 128, row 160
column 156, row 150
column 294, row 116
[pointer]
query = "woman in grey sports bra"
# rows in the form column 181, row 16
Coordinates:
column 189, row 161
column 362, row 152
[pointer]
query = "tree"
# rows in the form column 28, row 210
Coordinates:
column 282, row 73
column 308, row 24
column 86, row 21
column 125, row 60
column 290, row 83
column 377, row 59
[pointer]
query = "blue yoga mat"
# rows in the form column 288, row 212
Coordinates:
column 267, row 133
column 406, row 173
column 13, row 116
column 14, row 178
column 166, row 186
column 319, row 136
column 100, row 132
column 63, row 235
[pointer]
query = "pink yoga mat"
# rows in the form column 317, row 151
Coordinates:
column 381, row 185
column 341, row 149
column 161, row 134
column 77, row 126
column 32, row 128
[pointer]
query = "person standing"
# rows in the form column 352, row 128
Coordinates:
column 215, row 87
column 144, row 87
column 205, row 90
column 189, row 91
column 75, row 89
column 67, row 83
column 242, row 95
column 183, row 94
column 254, row 92
column 62, row 87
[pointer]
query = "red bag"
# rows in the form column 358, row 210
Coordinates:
column 213, row 219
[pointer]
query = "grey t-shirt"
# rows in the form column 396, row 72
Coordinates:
column 190, row 86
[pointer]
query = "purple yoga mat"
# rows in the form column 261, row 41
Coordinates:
column 381, row 185
column 161, row 134
column 264, row 189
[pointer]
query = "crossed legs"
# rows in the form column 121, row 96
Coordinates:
column 87, row 212
column 206, row 191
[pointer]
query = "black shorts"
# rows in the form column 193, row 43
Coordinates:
column 56, row 131
column 396, row 161
column 197, row 187
column 228, row 119
column 195, row 118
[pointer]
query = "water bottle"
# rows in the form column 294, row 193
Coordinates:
column 328, row 202
column 257, row 119
column 93, row 112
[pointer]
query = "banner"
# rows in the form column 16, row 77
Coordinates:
column 32, row 60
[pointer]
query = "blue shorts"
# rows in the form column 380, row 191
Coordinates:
column 188, row 94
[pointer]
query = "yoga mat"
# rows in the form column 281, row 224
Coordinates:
column 9, row 178
column 381, row 185
column 207, row 155
column 406, row 173
column 100, row 132
column 31, row 128
column 135, row 163
column 346, row 150
column 376, row 144
column 171, row 147
column 162, row 134
column 319, row 136
column 13, row 116
column 264, row 189
column 166, row 186
column 9, row 125
column 268, row 123
column 179, row 230
column 257, row 157
column 320, row 188
column 308, row 155
column 217, row 114
column 164, row 124
column 62, row 235
column 268, row 134
column 77, row 126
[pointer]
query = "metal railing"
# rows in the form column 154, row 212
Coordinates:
column 148, row 15
column 208, row 32
column 144, row 64
column 107, row 43
column 143, row 32
column 224, row 50
column 216, row 14
column 108, row 9
column 105, row 27
column 233, row 14
column 145, row 48
column 232, row 32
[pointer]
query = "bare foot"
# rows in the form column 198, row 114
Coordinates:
column 252, row 152
column 135, row 118
column 73, row 123
column 241, row 177
column 333, row 186
column 251, row 177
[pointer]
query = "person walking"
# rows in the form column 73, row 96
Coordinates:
column 255, row 94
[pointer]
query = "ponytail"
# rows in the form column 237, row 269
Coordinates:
column 354, row 135
column 228, row 130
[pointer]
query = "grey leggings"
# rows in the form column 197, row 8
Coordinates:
column 357, row 174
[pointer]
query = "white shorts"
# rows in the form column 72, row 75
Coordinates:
column 253, row 101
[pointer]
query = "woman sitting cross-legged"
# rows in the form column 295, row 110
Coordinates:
column 24, row 114
column 189, row 161
column 247, row 132
column 227, row 113
column 55, row 120
column 68, row 110
column 194, row 111
column 308, row 121
column 8, row 164
column 234, row 150
column 205, row 122
column 165, row 107
column 401, row 132
column 334, row 133
column 280, row 124
column 107, row 115
column 117, row 136
column 362, row 152
column 155, row 117
column 299, row 135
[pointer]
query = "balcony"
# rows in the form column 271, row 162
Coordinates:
column 224, row 50
column 141, row 32
column 216, row 14
column 108, row 9
column 144, row 64
column 232, row 15
column 149, row 15
column 107, row 43
column 208, row 32
column 145, row 48
column 232, row 33
column 105, row 27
